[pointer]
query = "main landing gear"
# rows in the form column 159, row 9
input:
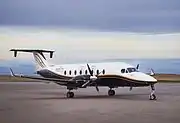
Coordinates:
column 152, row 96
column 70, row 94
column 111, row 92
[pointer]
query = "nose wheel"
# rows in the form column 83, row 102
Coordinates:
column 152, row 96
column 111, row 92
column 70, row 94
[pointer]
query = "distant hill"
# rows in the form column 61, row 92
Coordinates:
column 25, row 67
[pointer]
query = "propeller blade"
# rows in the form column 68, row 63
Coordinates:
column 130, row 89
column 97, row 89
column 137, row 67
column 86, row 84
column 90, row 71
column 93, row 77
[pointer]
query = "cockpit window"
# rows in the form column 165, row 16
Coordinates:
column 132, row 70
column 122, row 70
column 126, row 71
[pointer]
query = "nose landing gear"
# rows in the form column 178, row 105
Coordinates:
column 152, row 96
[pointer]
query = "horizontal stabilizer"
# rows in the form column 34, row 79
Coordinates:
column 32, row 50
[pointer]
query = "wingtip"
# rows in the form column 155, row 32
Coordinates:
column 12, row 73
column 152, row 72
column 12, row 49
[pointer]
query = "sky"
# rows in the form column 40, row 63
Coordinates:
column 121, row 15
column 83, row 45
column 91, row 29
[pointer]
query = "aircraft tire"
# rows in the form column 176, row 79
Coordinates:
column 152, row 97
column 111, row 92
column 70, row 94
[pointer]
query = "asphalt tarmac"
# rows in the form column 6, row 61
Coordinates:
column 47, row 103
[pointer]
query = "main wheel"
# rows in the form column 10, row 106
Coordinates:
column 70, row 94
column 111, row 92
column 152, row 97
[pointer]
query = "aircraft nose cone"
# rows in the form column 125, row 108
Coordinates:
column 145, row 77
column 152, row 79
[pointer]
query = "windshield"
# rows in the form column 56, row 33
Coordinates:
column 132, row 70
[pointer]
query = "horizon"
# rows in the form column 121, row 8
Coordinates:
column 158, row 65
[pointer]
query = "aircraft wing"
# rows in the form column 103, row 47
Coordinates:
column 57, row 81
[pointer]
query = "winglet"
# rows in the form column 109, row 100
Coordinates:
column 12, row 73
column 152, row 72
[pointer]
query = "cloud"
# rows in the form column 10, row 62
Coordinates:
column 79, row 45
column 130, row 16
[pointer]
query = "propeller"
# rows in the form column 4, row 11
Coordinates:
column 93, row 77
column 91, row 73
column 89, row 69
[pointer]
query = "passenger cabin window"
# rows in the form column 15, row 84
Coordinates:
column 103, row 72
column 86, row 72
column 75, row 72
column 122, row 70
column 80, row 72
column 97, row 72
column 70, row 72
column 65, row 72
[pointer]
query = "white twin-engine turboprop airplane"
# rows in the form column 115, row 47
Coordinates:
column 74, row 76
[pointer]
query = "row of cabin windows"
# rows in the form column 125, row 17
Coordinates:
column 86, row 72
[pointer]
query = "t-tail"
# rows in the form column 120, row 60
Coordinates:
column 39, row 57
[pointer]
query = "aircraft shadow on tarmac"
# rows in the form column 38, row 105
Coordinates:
column 51, row 95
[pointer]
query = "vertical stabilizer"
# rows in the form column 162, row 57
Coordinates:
column 40, row 60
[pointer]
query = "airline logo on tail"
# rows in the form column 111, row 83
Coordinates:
column 39, row 60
